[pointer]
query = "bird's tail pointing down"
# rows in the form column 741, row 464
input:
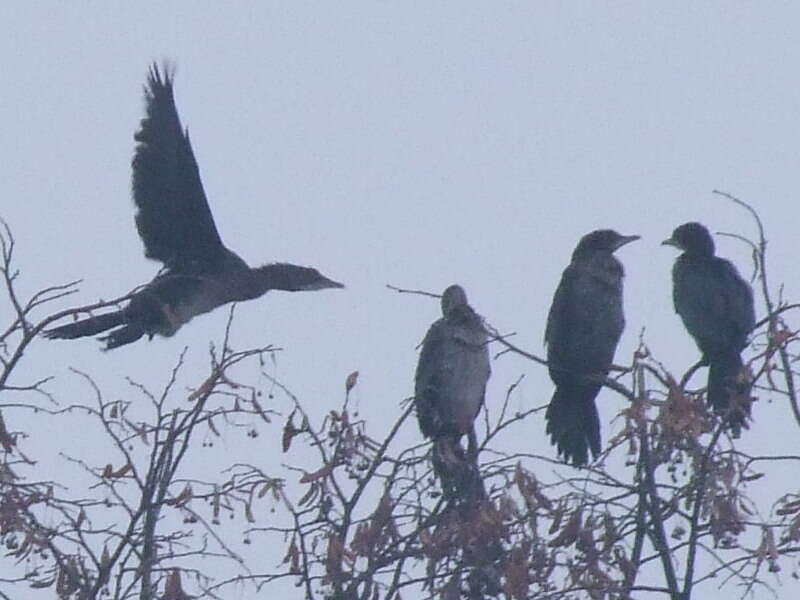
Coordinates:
column 457, row 471
column 729, row 391
column 573, row 423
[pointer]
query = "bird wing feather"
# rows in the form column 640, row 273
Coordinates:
column 715, row 303
column 740, row 301
column 584, row 325
column 173, row 217
column 428, row 379
column 451, row 378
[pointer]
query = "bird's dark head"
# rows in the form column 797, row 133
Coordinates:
column 453, row 298
column 602, row 240
column 693, row 238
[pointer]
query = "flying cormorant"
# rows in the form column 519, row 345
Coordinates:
column 451, row 378
column 716, row 306
column 177, row 228
column 584, row 325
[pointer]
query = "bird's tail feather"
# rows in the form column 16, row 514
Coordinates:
column 457, row 471
column 123, row 335
column 729, row 391
column 86, row 327
column 573, row 422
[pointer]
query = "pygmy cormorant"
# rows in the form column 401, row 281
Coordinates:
column 716, row 306
column 451, row 378
column 583, row 328
column 177, row 228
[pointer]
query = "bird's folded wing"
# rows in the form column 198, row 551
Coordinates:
column 740, row 300
column 428, row 378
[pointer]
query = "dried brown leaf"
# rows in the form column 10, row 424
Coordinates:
column 260, row 410
column 293, row 557
column 558, row 514
column 289, row 431
column 794, row 529
column 351, row 381
column 333, row 559
column 215, row 502
column 6, row 439
column 789, row 508
column 205, row 388
column 122, row 471
column 318, row 474
column 569, row 533
column 182, row 498
column 264, row 489
column 516, row 576
column 772, row 549
column 248, row 512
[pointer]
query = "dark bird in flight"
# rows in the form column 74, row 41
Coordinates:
column 177, row 228
column 716, row 306
column 583, row 328
column 451, row 378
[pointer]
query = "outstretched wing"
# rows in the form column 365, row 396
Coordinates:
column 173, row 219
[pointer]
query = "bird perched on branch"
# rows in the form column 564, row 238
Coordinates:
column 177, row 228
column 583, row 328
column 450, row 386
column 716, row 306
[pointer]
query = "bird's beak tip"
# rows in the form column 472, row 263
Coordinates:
column 627, row 239
column 669, row 242
column 322, row 284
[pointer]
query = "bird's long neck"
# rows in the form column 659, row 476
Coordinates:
column 601, row 263
column 463, row 314
column 700, row 248
column 697, row 255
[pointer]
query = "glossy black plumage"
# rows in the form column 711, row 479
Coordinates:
column 585, row 323
column 450, row 386
column 177, row 228
column 716, row 306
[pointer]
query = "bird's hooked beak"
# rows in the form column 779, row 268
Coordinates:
column 323, row 284
column 671, row 242
column 627, row 239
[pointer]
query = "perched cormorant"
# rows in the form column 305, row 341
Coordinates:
column 584, row 325
column 177, row 228
column 451, row 378
column 716, row 306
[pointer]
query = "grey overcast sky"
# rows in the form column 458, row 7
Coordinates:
column 416, row 144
